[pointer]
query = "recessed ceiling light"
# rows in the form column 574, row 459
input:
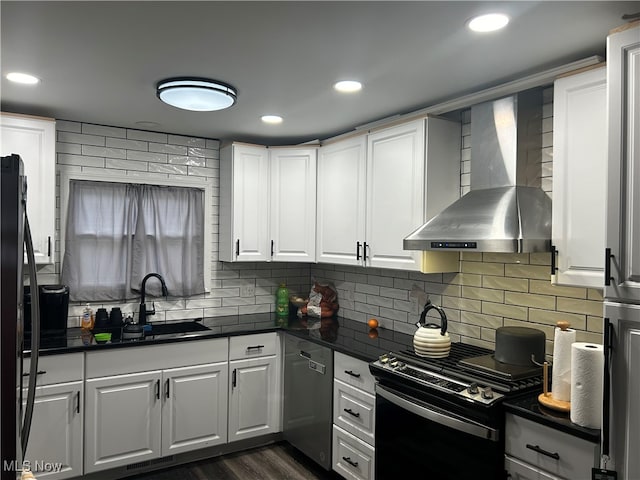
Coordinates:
column 348, row 86
column 489, row 22
column 23, row 78
column 272, row 119
column 196, row 94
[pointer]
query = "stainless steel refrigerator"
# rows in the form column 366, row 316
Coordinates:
column 17, row 388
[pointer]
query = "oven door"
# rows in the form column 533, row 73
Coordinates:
column 413, row 436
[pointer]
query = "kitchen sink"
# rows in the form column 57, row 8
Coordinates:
column 177, row 327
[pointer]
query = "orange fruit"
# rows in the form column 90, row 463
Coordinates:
column 373, row 323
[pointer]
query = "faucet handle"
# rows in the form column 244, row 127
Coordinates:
column 153, row 309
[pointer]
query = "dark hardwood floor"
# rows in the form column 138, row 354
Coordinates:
column 279, row 461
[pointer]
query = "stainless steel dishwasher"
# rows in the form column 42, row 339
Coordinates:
column 308, row 398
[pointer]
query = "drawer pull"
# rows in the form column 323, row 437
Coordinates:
column 39, row 372
column 352, row 413
column 349, row 372
column 350, row 462
column 158, row 389
column 78, row 401
column 255, row 347
column 536, row 448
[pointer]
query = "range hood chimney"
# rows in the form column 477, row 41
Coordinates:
column 505, row 210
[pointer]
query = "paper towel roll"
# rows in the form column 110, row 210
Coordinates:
column 587, row 370
column 561, row 373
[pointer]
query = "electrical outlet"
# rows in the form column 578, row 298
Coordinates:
column 248, row 291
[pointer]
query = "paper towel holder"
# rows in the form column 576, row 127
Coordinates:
column 545, row 398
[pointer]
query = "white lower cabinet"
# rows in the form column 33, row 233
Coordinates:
column 136, row 417
column 535, row 451
column 254, row 386
column 354, row 404
column 54, row 450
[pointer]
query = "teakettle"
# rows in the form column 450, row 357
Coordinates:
column 431, row 340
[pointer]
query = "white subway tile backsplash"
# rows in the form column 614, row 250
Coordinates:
column 147, row 156
column 167, row 148
column 103, row 130
column 127, row 144
column 80, row 138
column 187, row 141
column 147, row 136
column 80, row 160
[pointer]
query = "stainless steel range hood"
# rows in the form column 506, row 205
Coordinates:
column 505, row 210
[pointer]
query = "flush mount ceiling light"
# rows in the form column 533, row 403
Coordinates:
column 271, row 119
column 489, row 22
column 348, row 86
column 196, row 94
column 23, row 78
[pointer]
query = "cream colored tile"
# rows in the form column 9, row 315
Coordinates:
column 464, row 329
column 502, row 310
column 471, row 279
column 530, row 300
column 462, row 304
column 481, row 343
column 587, row 307
column 506, row 283
column 595, row 294
column 549, row 332
column 540, row 258
column 545, row 287
column 488, row 334
column 551, row 317
column 471, row 256
column 527, row 271
column 442, row 289
column 595, row 324
column 480, row 319
column 589, row 337
column 522, row 258
column 483, row 268
column 485, row 294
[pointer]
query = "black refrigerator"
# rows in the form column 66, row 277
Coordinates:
column 17, row 387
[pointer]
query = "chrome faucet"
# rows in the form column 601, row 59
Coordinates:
column 143, row 308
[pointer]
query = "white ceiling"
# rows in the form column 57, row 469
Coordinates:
column 99, row 61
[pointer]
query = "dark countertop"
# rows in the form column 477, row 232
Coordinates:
column 340, row 334
column 528, row 407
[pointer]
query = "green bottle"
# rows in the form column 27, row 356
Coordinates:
column 282, row 301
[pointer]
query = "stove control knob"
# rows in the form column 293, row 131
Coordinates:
column 401, row 366
column 473, row 389
column 384, row 358
column 487, row 393
column 393, row 363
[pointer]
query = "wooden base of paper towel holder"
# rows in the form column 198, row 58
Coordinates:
column 546, row 397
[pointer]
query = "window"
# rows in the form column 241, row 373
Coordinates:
column 116, row 233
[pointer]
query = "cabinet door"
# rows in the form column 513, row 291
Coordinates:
column 34, row 139
column 244, row 204
column 194, row 414
column 254, row 397
column 55, row 442
column 623, row 194
column 293, row 204
column 395, row 194
column 122, row 420
column 341, row 202
column 625, row 389
column 579, row 167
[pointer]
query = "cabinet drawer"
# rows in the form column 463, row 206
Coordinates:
column 352, row 458
column 528, row 440
column 257, row 345
column 354, row 410
column 57, row 368
column 353, row 371
column 518, row 470
column 155, row 357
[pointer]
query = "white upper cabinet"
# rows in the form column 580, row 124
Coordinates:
column 579, row 172
column 34, row 139
column 267, row 204
column 293, row 204
column 374, row 190
column 622, row 267
column 342, row 201
column 244, row 203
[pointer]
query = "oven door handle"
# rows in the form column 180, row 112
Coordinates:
column 466, row 426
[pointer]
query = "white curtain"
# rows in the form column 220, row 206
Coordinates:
column 117, row 233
